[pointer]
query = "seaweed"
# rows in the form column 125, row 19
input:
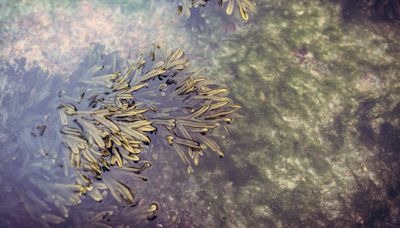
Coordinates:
column 157, row 96
column 83, row 138
column 243, row 6
column 36, row 186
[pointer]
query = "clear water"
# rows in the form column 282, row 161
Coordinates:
column 318, row 81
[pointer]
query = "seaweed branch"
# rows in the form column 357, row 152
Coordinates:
column 243, row 6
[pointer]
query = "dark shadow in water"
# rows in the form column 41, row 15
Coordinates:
column 375, row 10
column 351, row 10
column 378, row 205
column 241, row 177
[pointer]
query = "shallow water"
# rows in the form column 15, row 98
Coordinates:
column 317, row 145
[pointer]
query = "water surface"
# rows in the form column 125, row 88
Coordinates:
column 318, row 142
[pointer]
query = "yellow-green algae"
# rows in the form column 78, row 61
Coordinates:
column 301, row 73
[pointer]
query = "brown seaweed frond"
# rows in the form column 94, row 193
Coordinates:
column 156, row 93
column 111, row 110
column 125, row 105
column 243, row 6
column 186, row 108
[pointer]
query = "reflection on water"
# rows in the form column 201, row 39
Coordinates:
column 317, row 145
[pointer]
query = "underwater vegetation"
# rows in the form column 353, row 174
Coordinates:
column 83, row 139
column 39, row 186
column 244, row 7
column 158, row 94
column 295, row 159
column 33, row 180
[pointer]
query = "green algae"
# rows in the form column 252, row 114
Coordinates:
column 300, row 109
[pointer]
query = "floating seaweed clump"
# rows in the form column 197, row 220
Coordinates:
column 38, row 184
column 156, row 96
column 243, row 6
column 66, row 141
